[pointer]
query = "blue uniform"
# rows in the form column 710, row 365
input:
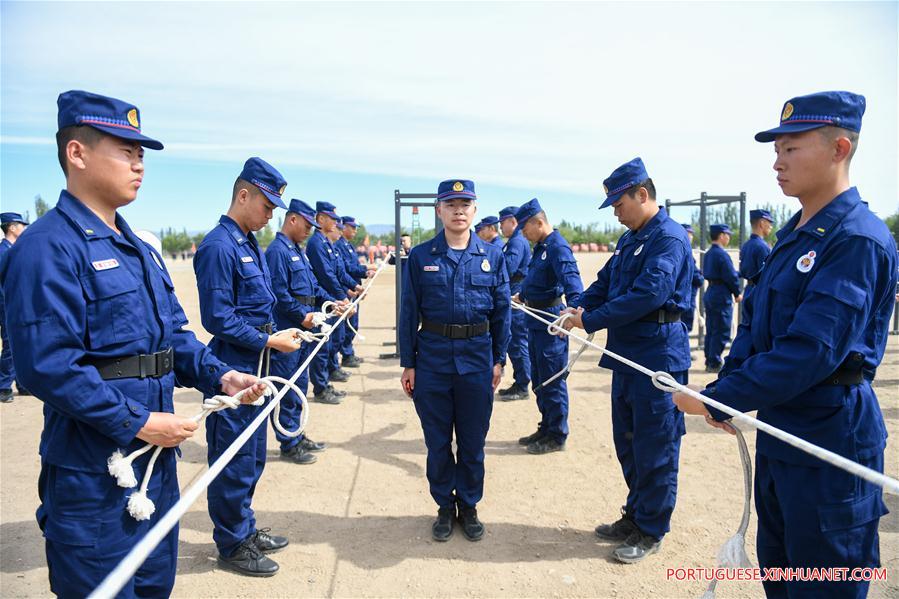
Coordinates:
column 297, row 294
column 498, row 242
column 695, row 285
column 358, row 272
column 453, row 377
column 7, row 369
column 822, row 304
column 752, row 257
column 78, row 293
column 330, row 274
column 517, row 253
column 724, row 284
column 552, row 272
column 650, row 271
column 236, row 307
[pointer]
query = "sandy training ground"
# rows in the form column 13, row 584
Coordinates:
column 359, row 519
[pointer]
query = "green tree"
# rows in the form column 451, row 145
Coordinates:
column 892, row 222
column 40, row 206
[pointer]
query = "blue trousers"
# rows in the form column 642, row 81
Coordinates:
column 334, row 345
column 548, row 355
column 285, row 365
column 460, row 403
column 688, row 315
column 88, row 530
column 346, row 348
column 647, row 430
column 518, row 349
column 7, row 370
column 718, row 317
column 231, row 493
column 325, row 361
column 817, row 518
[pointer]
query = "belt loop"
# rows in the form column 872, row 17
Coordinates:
column 141, row 367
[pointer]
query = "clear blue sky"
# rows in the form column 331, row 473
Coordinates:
column 351, row 101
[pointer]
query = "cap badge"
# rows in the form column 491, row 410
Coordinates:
column 485, row 265
column 605, row 188
column 788, row 111
column 281, row 191
column 132, row 118
column 806, row 262
column 638, row 250
column 457, row 186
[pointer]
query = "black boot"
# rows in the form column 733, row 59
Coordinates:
column 636, row 548
column 327, row 396
column 472, row 528
column 353, row 361
column 336, row 391
column 339, row 376
column 6, row 395
column 298, row 455
column 249, row 561
column 310, row 445
column 532, row 437
column 513, row 392
column 545, row 445
column 267, row 543
column 442, row 528
column 619, row 530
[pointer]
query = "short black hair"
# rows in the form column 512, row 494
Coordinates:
column 648, row 184
column 405, row 235
column 243, row 184
column 81, row 133
column 714, row 236
column 6, row 227
column 833, row 133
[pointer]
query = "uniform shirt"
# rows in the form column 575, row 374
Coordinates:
column 752, row 256
column 236, row 297
column 77, row 292
column 698, row 279
column 651, row 270
column 517, row 251
column 718, row 267
column 497, row 241
column 552, row 272
column 324, row 260
column 350, row 260
column 806, row 315
column 5, row 246
column 291, row 276
column 468, row 288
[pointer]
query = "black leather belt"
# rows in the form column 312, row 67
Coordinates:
column 715, row 281
column 518, row 278
column 306, row 300
column 455, row 331
column 266, row 328
column 850, row 372
column 543, row 304
column 137, row 367
column 661, row 317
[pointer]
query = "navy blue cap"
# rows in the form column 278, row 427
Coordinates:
column 623, row 178
column 327, row 208
column 486, row 222
column 305, row 210
column 109, row 115
column 687, row 227
column 507, row 212
column 339, row 224
column 823, row 109
column 756, row 214
column 348, row 221
column 527, row 210
column 267, row 178
column 12, row 217
column 720, row 228
column 456, row 188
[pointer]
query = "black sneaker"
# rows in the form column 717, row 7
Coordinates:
column 442, row 528
column 336, row 391
column 513, row 392
column 472, row 528
column 339, row 375
column 636, row 547
column 352, row 361
column 267, row 543
column 6, row 395
column 249, row 561
column 532, row 437
column 326, row 396
column 619, row 530
column 310, row 445
column 298, row 455
column 545, row 445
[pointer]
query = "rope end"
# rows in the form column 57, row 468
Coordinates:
column 140, row 506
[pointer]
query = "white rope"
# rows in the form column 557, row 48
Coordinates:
column 664, row 381
column 122, row 573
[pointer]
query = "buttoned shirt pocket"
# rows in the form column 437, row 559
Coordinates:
column 251, row 283
column 784, row 299
column 435, row 297
column 111, row 299
column 481, row 290
column 298, row 277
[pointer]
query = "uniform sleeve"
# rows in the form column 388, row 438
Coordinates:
column 324, row 270
column 698, row 279
column 836, row 307
column 215, row 268
column 649, row 291
column 729, row 274
column 286, row 305
column 47, row 317
column 565, row 267
column 407, row 328
column 501, row 317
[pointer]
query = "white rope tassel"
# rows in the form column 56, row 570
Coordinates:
column 140, row 506
column 121, row 468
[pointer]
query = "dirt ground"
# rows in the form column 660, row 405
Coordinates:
column 359, row 519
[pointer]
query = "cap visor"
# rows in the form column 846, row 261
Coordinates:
column 770, row 134
column 522, row 223
column 611, row 200
column 458, row 196
column 276, row 200
column 311, row 220
column 123, row 133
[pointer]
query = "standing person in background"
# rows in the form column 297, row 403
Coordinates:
column 755, row 250
column 695, row 284
column 13, row 225
column 718, row 270
column 358, row 272
column 517, row 252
